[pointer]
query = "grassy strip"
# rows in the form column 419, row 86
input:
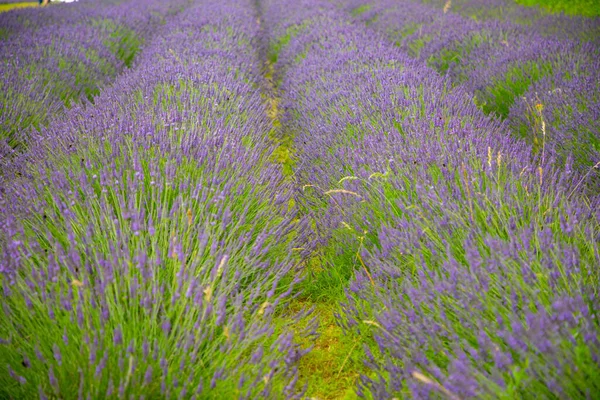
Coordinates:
column 586, row 8
column 334, row 364
column 331, row 368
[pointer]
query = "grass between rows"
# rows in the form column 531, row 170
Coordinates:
column 331, row 369
column 335, row 361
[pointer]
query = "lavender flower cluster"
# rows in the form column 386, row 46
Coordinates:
column 545, row 84
column 146, row 241
column 474, row 266
column 56, row 56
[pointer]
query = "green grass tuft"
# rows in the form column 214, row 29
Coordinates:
column 361, row 10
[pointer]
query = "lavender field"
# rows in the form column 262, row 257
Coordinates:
column 309, row 199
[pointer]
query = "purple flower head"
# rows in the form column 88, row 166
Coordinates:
column 57, row 355
column 148, row 375
column 117, row 336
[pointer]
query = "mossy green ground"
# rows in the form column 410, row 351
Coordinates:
column 331, row 368
column 333, row 365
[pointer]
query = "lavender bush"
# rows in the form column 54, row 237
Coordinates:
column 512, row 70
column 57, row 56
column 147, row 245
column 516, row 11
column 472, row 263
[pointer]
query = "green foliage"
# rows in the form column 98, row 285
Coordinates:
column 123, row 42
column 453, row 54
column 587, row 8
column 280, row 43
column 336, row 360
column 361, row 10
column 500, row 96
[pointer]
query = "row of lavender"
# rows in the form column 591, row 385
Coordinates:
column 56, row 56
column 471, row 262
column 538, row 18
column 146, row 245
column 547, row 87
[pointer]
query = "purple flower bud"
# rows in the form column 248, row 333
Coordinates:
column 57, row 355
column 122, row 389
column 117, row 337
column 166, row 327
column 52, row 378
column 111, row 388
column 164, row 365
column 101, row 365
column 41, row 393
column 145, row 348
column 221, row 310
column 257, row 355
column 148, row 375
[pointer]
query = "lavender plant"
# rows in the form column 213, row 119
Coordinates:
column 58, row 56
column 501, row 63
column 470, row 260
column 572, row 24
column 146, row 246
